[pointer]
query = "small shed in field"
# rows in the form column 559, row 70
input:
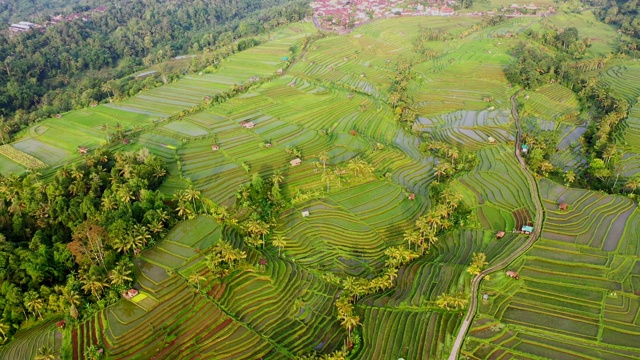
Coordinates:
column 563, row 207
column 491, row 140
column 295, row 162
column 83, row 150
column 412, row 196
column 500, row 234
column 215, row 147
column 527, row 229
column 247, row 124
column 305, row 213
column 513, row 274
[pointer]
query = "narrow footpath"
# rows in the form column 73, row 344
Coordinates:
column 537, row 228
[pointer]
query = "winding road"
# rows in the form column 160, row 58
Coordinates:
column 537, row 228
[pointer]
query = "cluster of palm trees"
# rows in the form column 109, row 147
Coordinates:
column 256, row 230
column 433, row 222
column 358, row 167
column 224, row 258
column 457, row 301
column 478, row 262
column 189, row 203
column 119, row 277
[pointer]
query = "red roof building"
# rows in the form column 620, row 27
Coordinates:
column 513, row 274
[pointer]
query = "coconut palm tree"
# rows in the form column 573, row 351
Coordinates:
column 45, row 353
column 93, row 284
column 4, row 330
column 569, row 177
column 279, row 242
column 632, row 184
column 324, row 157
column 350, row 321
column 119, row 275
column 191, row 194
column 195, row 278
column 33, row 303
column 105, row 128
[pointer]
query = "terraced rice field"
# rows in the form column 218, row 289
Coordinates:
column 552, row 102
column 26, row 343
column 576, row 297
column 470, row 129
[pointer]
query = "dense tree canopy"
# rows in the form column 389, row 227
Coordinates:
column 67, row 65
column 68, row 239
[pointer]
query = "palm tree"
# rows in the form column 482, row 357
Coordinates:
column 105, row 128
column 279, row 242
column 33, row 303
column 632, row 184
column 141, row 235
column 277, row 178
column 120, row 275
column 45, row 353
column 183, row 210
column 349, row 322
column 324, row 157
column 70, row 297
column 192, row 194
column 93, row 284
column 195, row 278
column 442, row 169
column 4, row 330
column 569, row 177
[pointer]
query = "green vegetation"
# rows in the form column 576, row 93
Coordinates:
column 304, row 195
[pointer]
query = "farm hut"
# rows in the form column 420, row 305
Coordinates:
column 286, row 58
column 485, row 297
column 83, row 150
column 247, row 124
column 280, row 71
column 305, row 213
column 491, row 140
column 215, row 147
column 263, row 262
column 125, row 141
column 61, row 324
column 412, row 196
column 500, row 234
column 563, row 207
column 267, row 144
column 130, row 293
column 525, row 148
column 527, row 229
column 362, row 75
column 345, row 58
column 295, row 162
column 513, row 274
column 58, row 116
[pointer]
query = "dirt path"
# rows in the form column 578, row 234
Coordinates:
column 537, row 228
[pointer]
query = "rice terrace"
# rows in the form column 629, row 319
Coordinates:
column 407, row 180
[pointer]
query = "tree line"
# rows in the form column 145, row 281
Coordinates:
column 65, row 67
column 66, row 242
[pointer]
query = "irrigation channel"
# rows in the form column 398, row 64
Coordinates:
column 537, row 228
